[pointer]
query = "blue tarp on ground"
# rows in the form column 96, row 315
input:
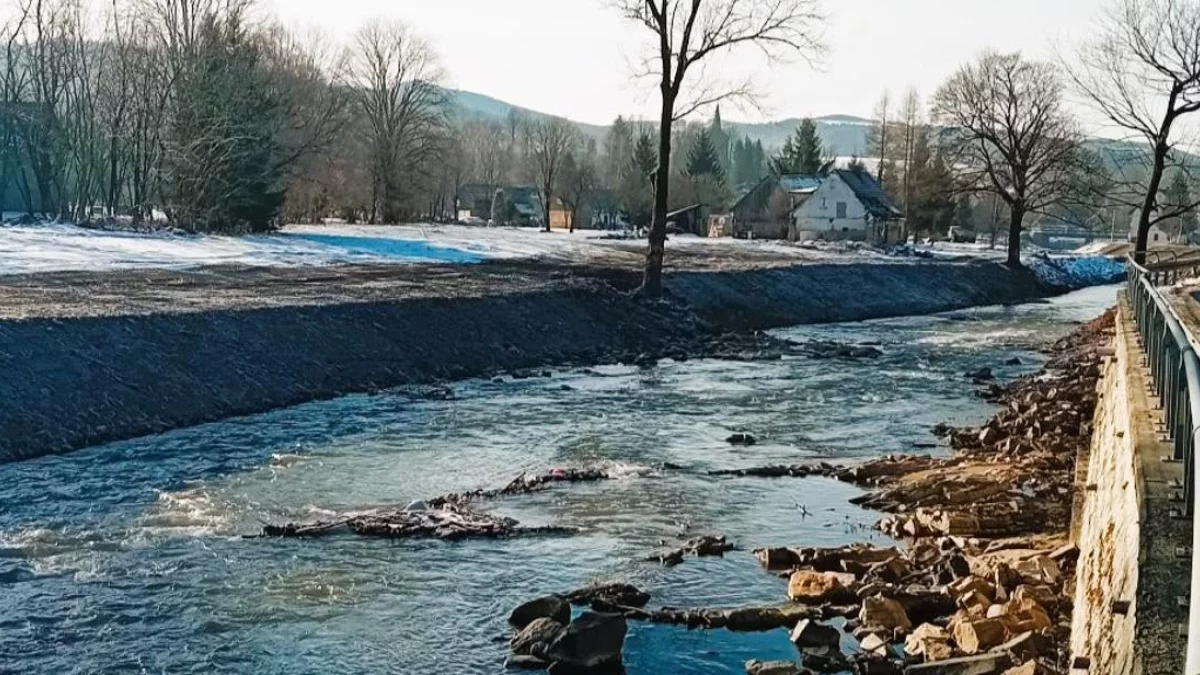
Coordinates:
column 1078, row 271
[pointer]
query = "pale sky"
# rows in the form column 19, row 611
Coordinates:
column 575, row 58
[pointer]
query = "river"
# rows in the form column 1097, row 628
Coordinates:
column 126, row 558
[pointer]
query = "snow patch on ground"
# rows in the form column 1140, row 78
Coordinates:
column 56, row 247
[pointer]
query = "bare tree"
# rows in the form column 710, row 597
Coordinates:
column 687, row 34
column 879, row 136
column 912, row 128
column 577, row 184
column 485, row 147
column 1009, row 134
column 1143, row 74
column 549, row 139
column 394, row 77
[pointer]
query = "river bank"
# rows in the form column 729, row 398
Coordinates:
column 90, row 359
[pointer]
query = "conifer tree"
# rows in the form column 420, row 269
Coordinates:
column 802, row 152
column 702, row 158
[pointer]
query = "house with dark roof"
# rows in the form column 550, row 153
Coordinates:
column 525, row 203
column 849, row 205
column 846, row 204
column 764, row 212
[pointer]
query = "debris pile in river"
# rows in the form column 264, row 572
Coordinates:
column 449, row 521
column 780, row 471
column 706, row 545
column 449, row 516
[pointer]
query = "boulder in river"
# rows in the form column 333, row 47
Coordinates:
column 536, row 638
column 815, row 588
column 884, row 612
column 592, row 642
column 549, row 607
column 929, row 641
column 741, row 439
column 809, row 635
column 615, row 594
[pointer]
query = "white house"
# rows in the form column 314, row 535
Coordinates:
column 849, row 204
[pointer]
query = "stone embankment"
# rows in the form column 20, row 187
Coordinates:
column 84, row 364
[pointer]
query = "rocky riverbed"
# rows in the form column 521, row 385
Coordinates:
column 982, row 584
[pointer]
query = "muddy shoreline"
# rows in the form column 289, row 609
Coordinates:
column 89, row 364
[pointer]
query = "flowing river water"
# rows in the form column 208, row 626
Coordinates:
column 127, row 558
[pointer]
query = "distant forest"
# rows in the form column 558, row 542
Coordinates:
column 188, row 113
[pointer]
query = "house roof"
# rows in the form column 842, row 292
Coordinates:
column 682, row 211
column 869, row 192
column 799, row 183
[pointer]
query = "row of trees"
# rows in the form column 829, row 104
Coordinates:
column 180, row 107
column 1004, row 132
column 999, row 133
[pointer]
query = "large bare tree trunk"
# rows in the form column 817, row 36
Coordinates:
column 652, row 277
column 1014, row 236
column 1149, row 204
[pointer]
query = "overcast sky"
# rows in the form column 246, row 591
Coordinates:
column 575, row 57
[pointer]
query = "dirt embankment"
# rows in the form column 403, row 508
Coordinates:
column 95, row 358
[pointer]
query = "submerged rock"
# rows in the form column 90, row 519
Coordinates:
column 756, row 667
column 705, row 545
column 525, row 662
column 981, row 375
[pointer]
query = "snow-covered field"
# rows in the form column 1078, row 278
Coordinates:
column 62, row 247
column 56, row 247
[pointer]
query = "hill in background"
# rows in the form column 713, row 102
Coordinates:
column 844, row 134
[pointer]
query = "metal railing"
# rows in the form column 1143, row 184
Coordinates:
column 1175, row 379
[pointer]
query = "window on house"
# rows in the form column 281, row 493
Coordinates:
column 1155, row 236
column 824, row 204
column 841, row 209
